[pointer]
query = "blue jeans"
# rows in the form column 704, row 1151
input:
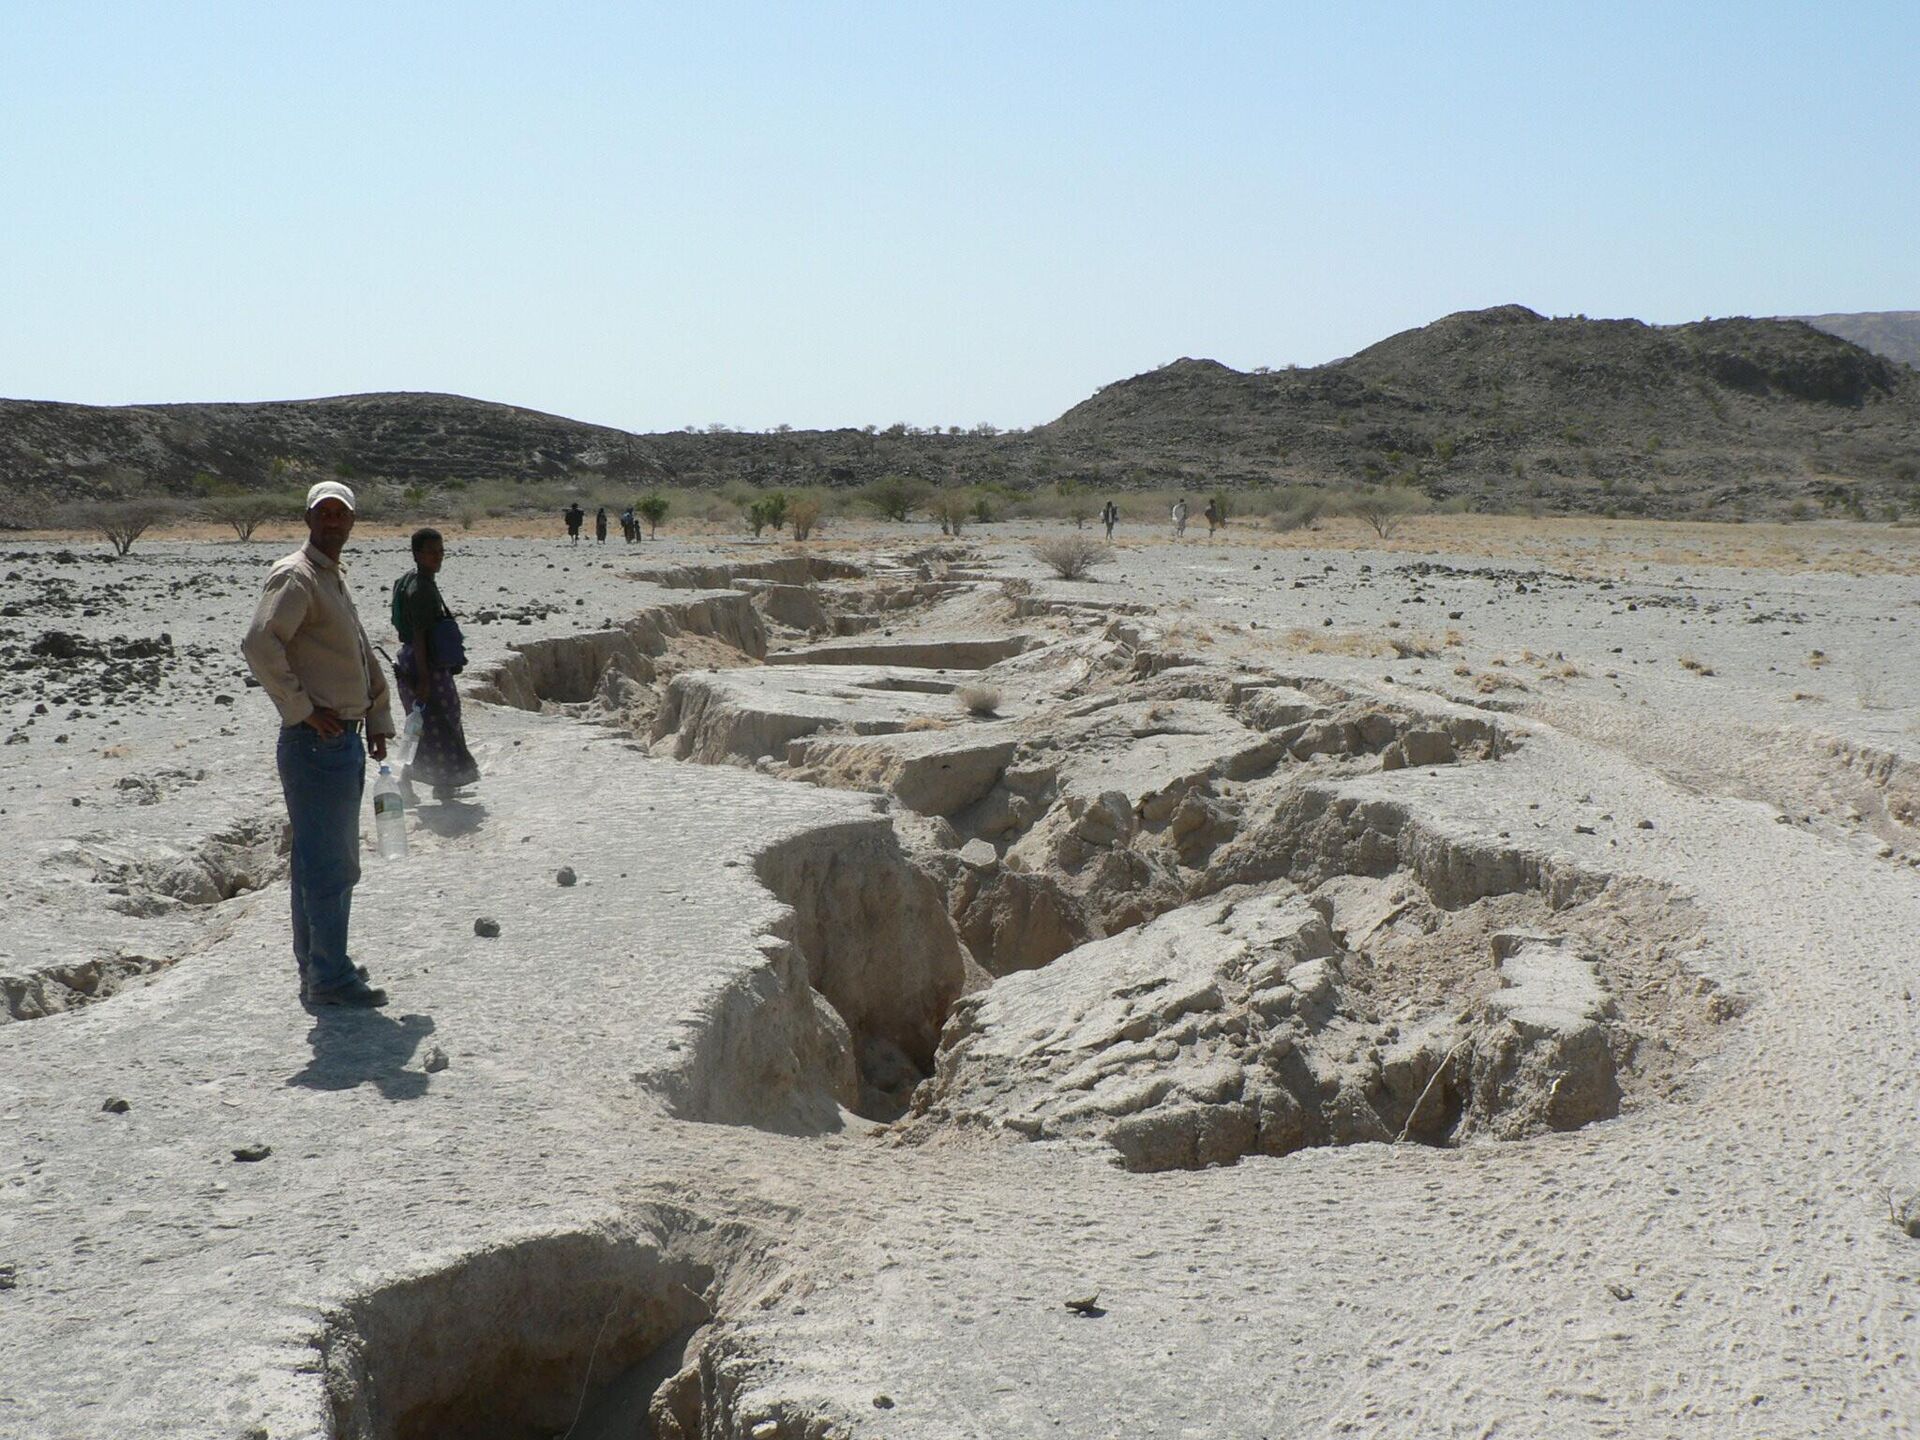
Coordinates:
column 323, row 781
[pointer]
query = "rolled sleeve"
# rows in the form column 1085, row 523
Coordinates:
column 283, row 608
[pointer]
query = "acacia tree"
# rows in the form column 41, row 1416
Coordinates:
column 1382, row 508
column 245, row 513
column 653, row 510
column 119, row 522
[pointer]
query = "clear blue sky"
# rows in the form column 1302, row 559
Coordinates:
column 824, row 214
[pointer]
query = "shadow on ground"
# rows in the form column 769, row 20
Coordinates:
column 361, row 1047
column 451, row 817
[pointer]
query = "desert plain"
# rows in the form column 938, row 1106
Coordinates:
column 1310, row 984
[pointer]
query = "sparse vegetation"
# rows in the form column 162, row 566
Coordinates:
column 978, row 698
column 119, row 522
column 894, row 497
column 952, row 508
column 803, row 513
column 1383, row 508
column 652, row 509
column 1071, row 557
column 246, row 513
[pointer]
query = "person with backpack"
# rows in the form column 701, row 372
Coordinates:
column 574, row 516
column 432, row 652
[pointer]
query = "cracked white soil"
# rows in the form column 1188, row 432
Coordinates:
column 1369, row 1043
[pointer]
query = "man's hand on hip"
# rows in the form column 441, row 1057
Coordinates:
column 325, row 722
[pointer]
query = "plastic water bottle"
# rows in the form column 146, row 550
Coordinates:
column 408, row 745
column 389, row 816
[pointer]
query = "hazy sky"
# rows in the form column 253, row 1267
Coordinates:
column 825, row 214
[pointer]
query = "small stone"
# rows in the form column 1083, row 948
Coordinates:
column 249, row 1153
column 1087, row 1305
column 489, row 929
column 9, row 1277
column 566, row 876
column 1619, row 1292
column 979, row 854
column 883, row 1402
column 434, row 1061
column 1644, row 825
column 115, row 1106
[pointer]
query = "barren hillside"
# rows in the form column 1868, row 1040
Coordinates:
column 1494, row 408
column 1892, row 333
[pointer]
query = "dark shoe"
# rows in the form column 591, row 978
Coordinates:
column 356, row 994
column 306, row 990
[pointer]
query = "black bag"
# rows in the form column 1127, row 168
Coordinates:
column 446, row 646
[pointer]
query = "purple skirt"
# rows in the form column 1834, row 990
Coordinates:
column 443, row 759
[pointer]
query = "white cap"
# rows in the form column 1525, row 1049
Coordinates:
column 331, row 490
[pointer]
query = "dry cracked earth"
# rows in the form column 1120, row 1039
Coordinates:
column 885, row 990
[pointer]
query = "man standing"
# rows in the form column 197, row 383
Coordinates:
column 310, row 654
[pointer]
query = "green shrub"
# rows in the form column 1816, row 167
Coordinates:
column 894, row 497
column 653, row 509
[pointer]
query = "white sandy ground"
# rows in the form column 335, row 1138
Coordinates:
column 1718, row 1263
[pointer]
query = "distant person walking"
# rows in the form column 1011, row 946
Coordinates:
column 575, row 516
column 1109, row 517
column 1215, row 516
column 306, row 647
column 629, row 526
column 432, row 652
column 1180, row 516
column 600, row 525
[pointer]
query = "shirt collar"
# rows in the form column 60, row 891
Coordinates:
column 318, row 558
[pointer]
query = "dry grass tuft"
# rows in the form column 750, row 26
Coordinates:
column 1357, row 643
column 1816, row 659
column 1413, row 647
column 926, row 722
column 1696, row 665
column 978, row 698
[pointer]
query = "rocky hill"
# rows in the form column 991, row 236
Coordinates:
column 1493, row 408
column 1505, row 405
column 1892, row 333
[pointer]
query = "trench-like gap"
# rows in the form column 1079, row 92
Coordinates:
column 246, row 855
column 997, row 863
column 590, row 1334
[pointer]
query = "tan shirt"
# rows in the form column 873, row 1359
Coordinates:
column 308, row 650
